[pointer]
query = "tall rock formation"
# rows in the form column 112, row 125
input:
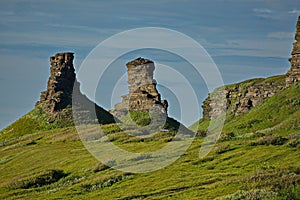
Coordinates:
column 293, row 75
column 60, row 83
column 63, row 93
column 143, row 94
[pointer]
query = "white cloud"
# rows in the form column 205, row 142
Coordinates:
column 264, row 13
column 262, row 10
column 296, row 12
column 280, row 35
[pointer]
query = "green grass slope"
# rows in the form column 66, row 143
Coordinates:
column 34, row 121
column 280, row 114
column 39, row 120
column 257, row 157
column 54, row 164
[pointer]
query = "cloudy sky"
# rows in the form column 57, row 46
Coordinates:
column 246, row 39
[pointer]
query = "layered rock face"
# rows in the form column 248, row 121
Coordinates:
column 60, row 83
column 293, row 75
column 143, row 94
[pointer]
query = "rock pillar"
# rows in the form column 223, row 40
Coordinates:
column 293, row 75
column 143, row 94
column 60, row 83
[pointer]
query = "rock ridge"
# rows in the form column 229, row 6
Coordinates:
column 243, row 96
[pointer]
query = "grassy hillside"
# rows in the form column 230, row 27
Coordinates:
column 279, row 114
column 39, row 120
column 257, row 157
column 55, row 164
column 36, row 120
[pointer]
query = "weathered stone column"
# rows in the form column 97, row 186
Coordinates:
column 143, row 94
column 293, row 75
column 60, row 83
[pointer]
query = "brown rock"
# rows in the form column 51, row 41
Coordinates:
column 59, row 94
column 143, row 94
column 60, row 84
column 243, row 96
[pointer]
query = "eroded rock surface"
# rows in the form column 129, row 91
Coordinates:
column 143, row 94
column 60, row 83
column 241, row 97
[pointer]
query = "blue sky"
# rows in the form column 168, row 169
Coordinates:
column 246, row 39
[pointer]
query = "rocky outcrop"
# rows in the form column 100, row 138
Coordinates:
column 242, row 97
column 143, row 94
column 293, row 75
column 63, row 93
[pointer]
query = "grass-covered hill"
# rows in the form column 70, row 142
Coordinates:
column 256, row 157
